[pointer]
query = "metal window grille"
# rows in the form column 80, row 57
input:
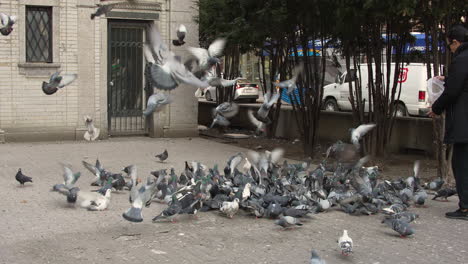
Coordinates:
column 38, row 34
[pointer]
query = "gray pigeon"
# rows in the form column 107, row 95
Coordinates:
column 223, row 82
column 288, row 221
column 181, row 32
column 436, row 184
column 103, row 10
column 291, row 83
column 139, row 197
column 444, row 193
column 208, row 57
column 220, row 120
column 262, row 113
column 407, row 217
column 226, row 109
column 167, row 72
column 163, row 156
column 6, row 24
column 315, row 258
column 400, row 226
column 156, row 102
column 57, row 82
column 21, row 178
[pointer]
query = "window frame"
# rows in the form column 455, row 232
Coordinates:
column 28, row 41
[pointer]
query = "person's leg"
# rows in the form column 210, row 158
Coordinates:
column 460, row 172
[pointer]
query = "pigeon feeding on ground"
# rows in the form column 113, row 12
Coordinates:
column 436, row 184
column 181, row 32
column 156, row 102
column 407, row 217
column 290, row 84
column 444, row 193
column 163, row 156
column 315, row 258
column 400, row 226
column 21, row 178
column 92, row 133
column 7, row 22
column 57, row 82
column 167, row 72
column 288, row 221
column 345, row 243
column 230, row 208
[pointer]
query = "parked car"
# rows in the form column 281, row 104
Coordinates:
column 244, row 90
column 413, row 97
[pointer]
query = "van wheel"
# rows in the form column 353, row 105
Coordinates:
column 330, row 105
column 401, row 110
column 208, row 96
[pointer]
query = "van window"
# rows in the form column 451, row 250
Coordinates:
column 351, row 76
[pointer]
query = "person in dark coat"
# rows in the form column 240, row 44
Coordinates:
column 454, row 101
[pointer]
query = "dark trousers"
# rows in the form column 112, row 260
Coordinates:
column 460, row 171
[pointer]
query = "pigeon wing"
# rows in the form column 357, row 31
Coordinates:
column 360, row 131
column 200, row 53
column 216, row 48
column 67, row 79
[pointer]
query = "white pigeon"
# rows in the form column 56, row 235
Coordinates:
column 359, row 132
column 88, row 199
column 181, row 33
column 345, row 243
column 92, row 133
column 247, row 165
column 101, row 203
column 230, row 208
column 246, row 191
column 208, row 57
column 6, row 24
column 291, row 83
column 260, row 127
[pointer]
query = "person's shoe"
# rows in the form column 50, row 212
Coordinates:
column 458, row 214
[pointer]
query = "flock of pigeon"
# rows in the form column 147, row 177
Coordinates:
column 254, row 182
column 262, row 187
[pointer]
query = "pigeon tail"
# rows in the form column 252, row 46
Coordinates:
column 133, row 215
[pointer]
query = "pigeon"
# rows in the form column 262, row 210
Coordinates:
column 69, row 178
column 156, row 102
column 92, row 133
column 260, row 127
column 6, row 24
column 315, row 258
column 220, row 120
column 359, row 132
column 167, row 72
column 163, row 156
column 226, row 109
column 170, row 212
column 97, row 171
column 436, row 184
column 181, row 32
column 101, row 203
column 262, row 113
column 444, row 193
column 400, row 226
column 208, row 57
column 21, row 178
column 290, row 84
column 57, row 82
column 139, row 197
column 230, row 208
column 345, row 243
column 103, row 9
column 288, row 221
column 420, row 197
column 407, row 217
column 223, row 82
column 297, row 213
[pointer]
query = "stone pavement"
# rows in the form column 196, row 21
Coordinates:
column 37, row 226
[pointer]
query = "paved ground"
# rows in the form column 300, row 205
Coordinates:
column 38, row 227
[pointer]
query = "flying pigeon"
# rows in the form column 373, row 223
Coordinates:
column 230, row 208
column 6, row 24
column 345, row 243
column 139, row 197
column 220, row 120
column 104, row 9
column 181, row 32
column 223, row 82
column 167, row 72
column 57, row 82
column 227, row 109
column 21, row 178
column 163, row 156
column 260, row 127
column 92, row 133
column 359, row 132
column 156, row 102
column 291, row 83
column 262, row 113
column 208, row 57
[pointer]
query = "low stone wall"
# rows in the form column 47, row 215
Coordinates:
column 409, row 133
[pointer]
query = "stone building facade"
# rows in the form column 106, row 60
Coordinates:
column 58, row 35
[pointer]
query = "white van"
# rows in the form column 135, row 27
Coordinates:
column 413, row 97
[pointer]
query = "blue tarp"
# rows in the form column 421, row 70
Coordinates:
column 295, row 94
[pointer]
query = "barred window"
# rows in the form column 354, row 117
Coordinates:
column 38, row 34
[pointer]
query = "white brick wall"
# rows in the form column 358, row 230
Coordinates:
column 23, row 105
